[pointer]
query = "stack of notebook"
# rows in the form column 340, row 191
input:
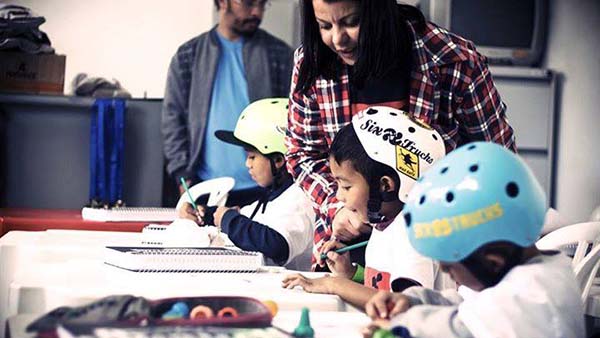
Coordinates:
column 181, row 259
column 123, row 214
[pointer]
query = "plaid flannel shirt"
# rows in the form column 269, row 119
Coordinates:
column 451, row 89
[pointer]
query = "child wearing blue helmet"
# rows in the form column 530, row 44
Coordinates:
column 479, row 212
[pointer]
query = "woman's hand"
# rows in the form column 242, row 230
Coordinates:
column 312, row 285
column 385, row 305
column 339, row 264
column 346, row 225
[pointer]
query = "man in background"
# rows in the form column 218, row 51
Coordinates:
column 211, row 79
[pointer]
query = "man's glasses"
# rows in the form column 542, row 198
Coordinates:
column 253, row 3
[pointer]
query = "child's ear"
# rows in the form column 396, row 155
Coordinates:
column 494, row 261
column 279, row 160
column 387, row 184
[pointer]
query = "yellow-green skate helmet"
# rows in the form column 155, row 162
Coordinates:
column 261, row 125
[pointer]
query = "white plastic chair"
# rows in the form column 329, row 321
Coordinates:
column 577, row 238
column 583, row 238
column 553, row 220
column 595, row 216
column 586, row 271
column 217, row 188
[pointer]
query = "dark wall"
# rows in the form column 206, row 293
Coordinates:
column 46, row 152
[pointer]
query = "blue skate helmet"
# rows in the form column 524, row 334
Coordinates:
column 478, row 194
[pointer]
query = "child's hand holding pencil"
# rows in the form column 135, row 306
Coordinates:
column 188, row 212
column 337, row 257
column 202, row 215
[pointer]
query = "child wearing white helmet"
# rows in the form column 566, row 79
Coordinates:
column 479, row 212
column 376, row 160
column 279, row 224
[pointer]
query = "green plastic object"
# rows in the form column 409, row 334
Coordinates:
column 304, row 330
column 383, row 333
column 359, row 275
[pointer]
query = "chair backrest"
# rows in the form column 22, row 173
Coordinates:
column 553, row 220
column 595, row 216
column 575, row 239
column 217, row 188
column 586, row 271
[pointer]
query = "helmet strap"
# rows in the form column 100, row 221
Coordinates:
column 279, row 174
column 477, row 266
column 278, row 178
column 374, row 203
column 376, row 197
column 388, row 196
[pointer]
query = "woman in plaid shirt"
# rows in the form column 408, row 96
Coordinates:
column 358, row 53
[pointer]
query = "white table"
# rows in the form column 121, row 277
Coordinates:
column 40, row 271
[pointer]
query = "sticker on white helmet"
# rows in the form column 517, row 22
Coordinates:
column 407, row 162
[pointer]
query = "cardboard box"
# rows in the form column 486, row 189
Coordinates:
column 32, row 73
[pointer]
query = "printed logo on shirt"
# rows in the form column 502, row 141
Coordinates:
column 407, row 162
column 376, row 279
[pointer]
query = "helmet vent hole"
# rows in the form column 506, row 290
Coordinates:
column 434, row 137
column 411, row 129
column 449, row 197
column 471, row 147
column 407, row 219
column 274, row 102
column 422, row 200
column 393, row 114
column 287, row 106
column 474, row 168
column 512, row 189
column 371, row 111
column 444, row 170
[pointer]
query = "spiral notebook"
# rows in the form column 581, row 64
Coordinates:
column 168, row 259
column 174, row 331
column 126, row 214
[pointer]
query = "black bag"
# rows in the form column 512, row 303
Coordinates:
column 122, row 308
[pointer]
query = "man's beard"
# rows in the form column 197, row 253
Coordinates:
column 238, row 27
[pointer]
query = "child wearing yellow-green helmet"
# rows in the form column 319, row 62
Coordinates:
column 279, row 224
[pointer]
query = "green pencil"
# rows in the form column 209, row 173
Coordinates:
column 347, row 248
column 187, row 190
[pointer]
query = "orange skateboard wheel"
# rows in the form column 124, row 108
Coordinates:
column 201, row 311
column 272, row 306
column 227, row 312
